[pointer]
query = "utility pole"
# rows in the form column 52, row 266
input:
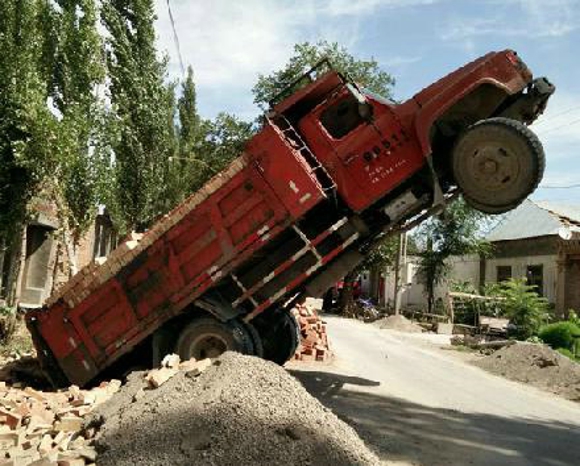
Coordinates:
column 399, row 261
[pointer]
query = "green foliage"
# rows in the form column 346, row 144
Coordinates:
column 366, row 73
column 142, row 115
column 7, row 324
column 75, row 70
column 26, row 125
column 569, row 354
column 573, row 317
column 224, row 140
column 561, row 335
column 526, row 310
column 454, row 233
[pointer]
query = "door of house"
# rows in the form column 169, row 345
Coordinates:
column 36, row 273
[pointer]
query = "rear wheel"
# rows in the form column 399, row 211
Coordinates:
column 497, row 163
column 279, row 333
column 207, row 337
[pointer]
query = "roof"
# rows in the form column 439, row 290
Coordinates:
column 533, row 219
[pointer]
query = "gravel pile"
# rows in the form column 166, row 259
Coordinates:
column 538, row 365
column 240, row 411
column 399, row 323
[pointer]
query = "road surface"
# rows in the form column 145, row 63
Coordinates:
column 414, row 403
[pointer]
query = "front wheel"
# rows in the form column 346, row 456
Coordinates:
column 497, row 163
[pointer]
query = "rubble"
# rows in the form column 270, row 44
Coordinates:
column 49, row 427
column 537, row 365
column 314, row 344
column 241, row 410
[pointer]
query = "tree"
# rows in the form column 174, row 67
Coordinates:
column 74, row 68
column 366, row 73
column 454, row 233
column 224, row 139
column 142, row 115
column 27, row 128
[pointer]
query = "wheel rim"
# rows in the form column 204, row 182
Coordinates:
column 207, row 346
column 493, row 167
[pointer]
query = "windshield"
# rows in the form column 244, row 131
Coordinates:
column 377, row 97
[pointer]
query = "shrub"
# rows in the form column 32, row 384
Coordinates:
column 526, row 310
column 560, row 335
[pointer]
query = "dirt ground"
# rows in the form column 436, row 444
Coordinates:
column 240, row 411
column 399, row 323
column 537, row 365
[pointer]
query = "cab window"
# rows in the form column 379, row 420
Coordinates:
column 342, row 117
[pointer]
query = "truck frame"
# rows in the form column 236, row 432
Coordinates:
column 333, row 170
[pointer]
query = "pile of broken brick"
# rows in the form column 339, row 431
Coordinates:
column 314, row 340
column 46, row 428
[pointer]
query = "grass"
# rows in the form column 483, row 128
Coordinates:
column 18, row 342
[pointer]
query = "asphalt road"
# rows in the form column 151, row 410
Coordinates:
column 414, row 403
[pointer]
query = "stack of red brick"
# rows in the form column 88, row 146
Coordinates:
column 91, row 277
column 314, row 340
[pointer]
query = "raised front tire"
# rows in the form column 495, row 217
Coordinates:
column 497, row 163
column 207, row 337
column 279, row 333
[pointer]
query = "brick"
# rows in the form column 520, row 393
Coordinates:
column 9, row 440
column 69, row 423
column 10, row 418
column 158, row 377
column 43, row 462
column 70, row 461
column 32, row 393
column 198, row 367
column 171, row 361
column 188, row 365
column 45, row 445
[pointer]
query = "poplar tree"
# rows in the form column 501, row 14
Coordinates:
column 143, row 110
column 74, row 67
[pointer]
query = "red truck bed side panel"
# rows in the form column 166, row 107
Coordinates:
column 272, row 190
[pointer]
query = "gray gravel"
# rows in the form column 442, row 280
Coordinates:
column 240, row 411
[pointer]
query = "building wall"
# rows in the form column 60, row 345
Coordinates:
column 469, row 268
column 465, row 268
column 519, row 267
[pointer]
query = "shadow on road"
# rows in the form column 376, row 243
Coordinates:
column 405, row 431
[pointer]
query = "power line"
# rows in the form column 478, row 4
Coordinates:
column 555, row 128
column 176, row 39
column 552, row 117
column 571, row 186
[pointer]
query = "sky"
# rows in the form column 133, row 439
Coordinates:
column 229, row 43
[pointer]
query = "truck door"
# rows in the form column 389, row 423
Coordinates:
column 362, row 145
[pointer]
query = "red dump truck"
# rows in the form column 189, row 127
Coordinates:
column 333, row 170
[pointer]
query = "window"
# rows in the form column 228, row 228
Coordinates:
column 342, row 117
column 535, row 277
column 504, row 273
column 105, row 236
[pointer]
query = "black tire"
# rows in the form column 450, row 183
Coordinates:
column 207, row 337
column 280, row 335
column 497, row 163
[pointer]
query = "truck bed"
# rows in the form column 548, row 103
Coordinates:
column 105, row 310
